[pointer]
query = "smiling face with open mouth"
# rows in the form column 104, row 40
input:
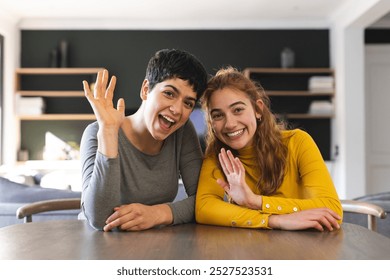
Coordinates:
column 167, row 106
column 233, row 117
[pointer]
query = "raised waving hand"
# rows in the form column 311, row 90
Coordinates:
column 236, row 187
column 109, row 118
column 101, row 101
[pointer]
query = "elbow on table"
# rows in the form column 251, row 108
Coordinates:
column 200, row 216
column 338, row 208
column 205, row 214
column 97, row 224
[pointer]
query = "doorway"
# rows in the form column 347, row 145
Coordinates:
column 377, row 118
column 1, row 97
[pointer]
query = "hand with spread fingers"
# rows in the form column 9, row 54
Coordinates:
column 236, row 187
column 101, row 101
column 109, row 118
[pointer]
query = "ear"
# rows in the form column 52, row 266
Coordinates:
column 144, row 90
column 259, row 108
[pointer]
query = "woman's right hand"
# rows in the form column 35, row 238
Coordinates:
column 101, row 101
column 109, row 118
column 317, row 218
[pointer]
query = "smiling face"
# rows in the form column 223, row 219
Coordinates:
column 167, row 106
column 233, row 118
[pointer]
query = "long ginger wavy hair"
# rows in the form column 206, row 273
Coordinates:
column 271, row 152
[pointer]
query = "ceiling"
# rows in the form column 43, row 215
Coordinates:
column 176, row 13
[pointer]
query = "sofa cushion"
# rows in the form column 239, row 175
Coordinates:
column 12, row 192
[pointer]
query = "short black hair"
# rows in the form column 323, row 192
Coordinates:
column 172, row 63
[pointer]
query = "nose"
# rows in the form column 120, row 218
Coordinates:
column 176, row 108
column 230, row 121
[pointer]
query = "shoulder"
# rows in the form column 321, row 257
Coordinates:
column 210, row 161
column 296, row 137
column 295, row 134
column 186, row 131
column 188, row 126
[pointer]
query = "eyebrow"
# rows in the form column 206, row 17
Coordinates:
column 230, row 106
column 175, row 89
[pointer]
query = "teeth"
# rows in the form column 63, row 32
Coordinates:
column 168, row 119
column 235, row 133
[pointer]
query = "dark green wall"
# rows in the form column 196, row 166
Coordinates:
column 377, row 36
column 125, row 53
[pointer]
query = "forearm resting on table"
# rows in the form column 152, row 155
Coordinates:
column 165, row 216
column 317, row 218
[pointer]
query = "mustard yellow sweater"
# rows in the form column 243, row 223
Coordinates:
column 307, row 184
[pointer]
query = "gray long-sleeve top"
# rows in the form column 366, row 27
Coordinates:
column 135, row 177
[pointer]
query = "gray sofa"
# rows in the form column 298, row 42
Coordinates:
column 13, row 195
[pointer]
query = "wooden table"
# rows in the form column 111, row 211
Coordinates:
column 75, row 240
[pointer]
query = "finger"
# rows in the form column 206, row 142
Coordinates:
column 223, row 165
column 240, row 165
column 237, row 166
column 325, row 223
column 108, row 227
column 230, row 160
column 112, row 224
column 118, row 212
column 87, row 90
column 332, row 220
column 120, row 221
column 104, row 80
column 98, row 84
column 226, row 160
column 133, row 225
column 334, row 214
column 113, row 217
column 120, row 106
column 317, row 226
column 110, row 90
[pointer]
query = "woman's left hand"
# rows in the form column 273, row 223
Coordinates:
column 236, row 187
column 318, row 218
column 136, row 216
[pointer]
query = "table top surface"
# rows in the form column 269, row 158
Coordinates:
column 76, row 240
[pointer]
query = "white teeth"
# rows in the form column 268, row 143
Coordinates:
column 168, row 119
column 235, row 133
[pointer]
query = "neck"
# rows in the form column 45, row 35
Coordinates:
column 138, row 134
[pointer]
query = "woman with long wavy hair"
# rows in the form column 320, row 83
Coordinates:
column 256, row 173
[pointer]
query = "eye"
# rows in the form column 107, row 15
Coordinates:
column 189, row 104
column 168, row 93
column 238, row 110
column 216, row 116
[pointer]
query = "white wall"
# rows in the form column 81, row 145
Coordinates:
column 347, row 54
column 11, row 34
